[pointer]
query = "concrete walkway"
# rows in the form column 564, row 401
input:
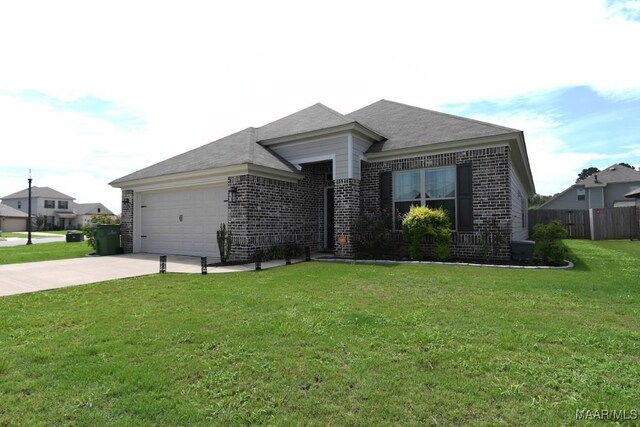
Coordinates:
column 39, row 276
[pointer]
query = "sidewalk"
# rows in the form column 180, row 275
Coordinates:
column 44, row 275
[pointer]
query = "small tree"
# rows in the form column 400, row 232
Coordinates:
column 223, row 236
column 421, row 222
column 89, row 229
column 549, row 245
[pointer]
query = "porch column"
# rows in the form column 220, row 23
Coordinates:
column 347, row 215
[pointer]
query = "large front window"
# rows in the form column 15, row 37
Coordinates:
column 433, row 187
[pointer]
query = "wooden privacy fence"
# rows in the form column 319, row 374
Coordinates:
column 575, row 221
column 594, row 224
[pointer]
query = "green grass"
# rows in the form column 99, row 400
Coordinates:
column 43, row 252
column 330, row 344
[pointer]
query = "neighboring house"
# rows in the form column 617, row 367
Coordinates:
column 84, row 212
column 12, row 219
column 58, row 209
column 605, row 189
column 635, row 196
column 312, row 176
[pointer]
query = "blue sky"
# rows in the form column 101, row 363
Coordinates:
column 91, row 92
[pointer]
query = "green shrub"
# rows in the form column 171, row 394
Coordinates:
column 422, row 222
column 548, row 243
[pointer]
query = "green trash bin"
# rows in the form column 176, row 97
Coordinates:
column 107, row 238
column 74, row 236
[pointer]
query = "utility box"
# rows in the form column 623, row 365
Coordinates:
column 522, row 250
column 107, row 238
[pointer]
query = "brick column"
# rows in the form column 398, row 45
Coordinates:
column 347, row 215
column 126, row 225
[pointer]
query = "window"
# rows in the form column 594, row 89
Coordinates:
column 433, row 187
column 63, row 204
column 98, row 210
column 581, row 193
column 49, row 204
column 19, row 204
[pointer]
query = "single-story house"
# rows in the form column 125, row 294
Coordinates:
column 605, row 189
column 12, row 219
column 84, row 212
column 58, row 209
column 310, row 177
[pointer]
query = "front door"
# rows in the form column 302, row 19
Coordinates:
column 329, row 228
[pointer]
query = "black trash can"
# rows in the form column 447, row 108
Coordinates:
column 74, row 236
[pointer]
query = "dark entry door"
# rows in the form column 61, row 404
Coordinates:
column 329, row 226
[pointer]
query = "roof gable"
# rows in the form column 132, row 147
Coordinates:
column 405, row 126
column 613, row 174
column 313, row 118
column 38, row 192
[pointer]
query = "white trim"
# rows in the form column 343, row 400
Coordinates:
column 367, row 133
column 298, row 162
column 350, row 155
column 205, row 177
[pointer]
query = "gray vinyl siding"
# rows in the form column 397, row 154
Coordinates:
column 615, row 192
column 318, row 148
column 569, row 200
column 519, row 207
column 360, row 146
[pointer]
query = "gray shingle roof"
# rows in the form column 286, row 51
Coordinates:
column 614, row 173
column 405, row 126
column 316, row 117
column 633, row 194
column 237, row 149
column 90, row 209
column 8, row 211
column 38, row 192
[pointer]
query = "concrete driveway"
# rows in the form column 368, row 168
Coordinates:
column 39, row 276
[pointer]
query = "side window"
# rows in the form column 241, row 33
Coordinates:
column 580, row 192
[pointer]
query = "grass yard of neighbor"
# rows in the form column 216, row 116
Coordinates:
column 43, row 252
column 331, row 344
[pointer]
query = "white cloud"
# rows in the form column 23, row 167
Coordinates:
column 197, row 71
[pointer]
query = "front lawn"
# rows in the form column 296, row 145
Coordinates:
column 43, row 252
column 331, row 344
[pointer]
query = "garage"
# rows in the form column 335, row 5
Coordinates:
column 182, row 222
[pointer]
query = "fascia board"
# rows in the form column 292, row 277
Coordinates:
column 326, row 132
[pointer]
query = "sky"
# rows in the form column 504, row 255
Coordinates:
column 92, row 91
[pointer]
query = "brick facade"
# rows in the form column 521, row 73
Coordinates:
column 491, row 198
column 347, row 215
column 126, row 221
column 271, row 212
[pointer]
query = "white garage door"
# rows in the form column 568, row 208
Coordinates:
column 182, row 222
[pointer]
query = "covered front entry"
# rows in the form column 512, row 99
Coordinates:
column 182, row 222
